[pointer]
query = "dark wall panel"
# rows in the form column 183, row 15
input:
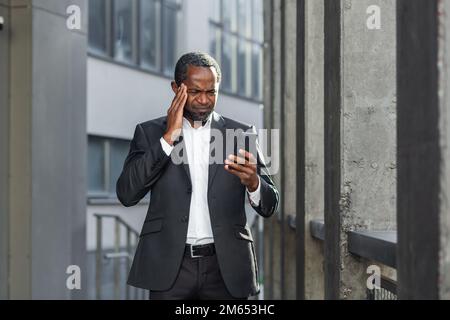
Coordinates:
column 332, row 30
column 418, row 149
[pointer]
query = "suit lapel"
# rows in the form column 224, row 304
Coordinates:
column 178, row 158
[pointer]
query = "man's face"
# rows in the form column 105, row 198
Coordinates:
column 202, row 89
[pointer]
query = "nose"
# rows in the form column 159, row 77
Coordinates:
column 203, row 98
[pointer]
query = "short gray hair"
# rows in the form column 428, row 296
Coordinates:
column 198, row 59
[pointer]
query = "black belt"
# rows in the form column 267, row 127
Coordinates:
column 199, row 251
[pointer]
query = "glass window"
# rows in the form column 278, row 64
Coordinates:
column 172, row 2
column 215, row 10
column 242, row 67
column 149, row 34
column 118, row 153
column 106, row 158
column 96, row 165
column 245, row 18
column 229, row 61
column 230, row 15
column 97, row 26
column 258, row 25
column 169, row 39
column 123, row 30
column 257, row 66
column 143, row 33
column 214, row 42
column 236, row 37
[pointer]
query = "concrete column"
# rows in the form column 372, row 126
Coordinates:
column 4, row 148
column 314, row 148
column 281, row 95
column 273, row 89
column 47, row 149
column 360, row 134
column 289, row 143
column 268, row 63
column 423, row 150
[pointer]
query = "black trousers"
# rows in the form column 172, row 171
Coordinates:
column 197, row 279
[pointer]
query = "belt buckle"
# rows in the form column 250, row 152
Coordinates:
column 192, row 253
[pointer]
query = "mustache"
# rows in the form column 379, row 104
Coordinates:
column 201, row 116
column 201, row 107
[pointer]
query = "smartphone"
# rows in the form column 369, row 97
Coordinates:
column 247, row 141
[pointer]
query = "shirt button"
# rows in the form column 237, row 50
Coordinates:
column 189, row 190
column 185, row 219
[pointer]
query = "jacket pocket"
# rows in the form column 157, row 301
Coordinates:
column 152, row 226
column 243, row 233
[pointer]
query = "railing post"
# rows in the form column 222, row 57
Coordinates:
column 128, row 259
column 116, row 261
column 136, row 239
column 98, row 260
column 261, row 257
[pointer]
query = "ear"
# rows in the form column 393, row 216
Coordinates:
column 174, row 87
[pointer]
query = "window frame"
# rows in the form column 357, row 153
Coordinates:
column 250, row 42
column 136, row 63
column 134, row 27
column 158, row 49
column 108, row 29
column 106, row 193
column 164, row 5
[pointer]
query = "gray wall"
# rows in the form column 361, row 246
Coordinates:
column 368, row 131
column 47, row 150
column 314, row 148
column 360, row 136
column 289, row 142
column 272, row 267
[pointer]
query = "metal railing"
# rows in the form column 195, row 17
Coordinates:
column 377, row 246
column 257, row 227
column 127, row 253
column 118, row 253
column 387, row 290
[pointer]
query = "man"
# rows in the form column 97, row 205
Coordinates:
column 195, row 242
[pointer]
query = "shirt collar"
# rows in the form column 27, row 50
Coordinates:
column 207, row 125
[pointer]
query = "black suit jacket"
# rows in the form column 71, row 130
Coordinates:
column 163, row 237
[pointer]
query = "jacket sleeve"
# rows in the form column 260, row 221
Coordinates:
column 143, row 167
column 269, row 198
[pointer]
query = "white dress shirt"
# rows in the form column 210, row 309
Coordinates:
column 197, row 143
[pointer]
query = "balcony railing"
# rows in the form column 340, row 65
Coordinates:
column 119, row 253
column 379, row 246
